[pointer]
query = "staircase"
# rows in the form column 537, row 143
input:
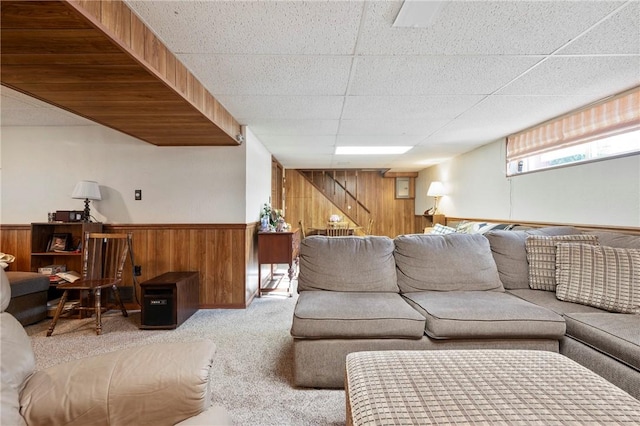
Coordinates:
column 341, row 188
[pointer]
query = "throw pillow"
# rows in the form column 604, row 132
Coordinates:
column 541, row 255
column 442, row 229
column 604, row 277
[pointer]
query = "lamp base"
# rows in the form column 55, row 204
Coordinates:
column 87, row 211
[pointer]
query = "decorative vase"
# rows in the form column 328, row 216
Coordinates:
column 280, row 225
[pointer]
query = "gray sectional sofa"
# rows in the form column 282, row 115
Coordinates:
column 458, row 291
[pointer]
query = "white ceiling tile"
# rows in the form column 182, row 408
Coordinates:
column 399, row 127
column 260, row 27
column 291, row 71
column 618, row 34
column 499, row 116
column 311, row 143
column 294, row 127
column 599, row 76
column 362, row 161
column 378, row 140
column 270, row 75
column 407, row 107
column 297, row 161
column 247, row 108
column 514, row 113
column 481, row 27
column 435, row 75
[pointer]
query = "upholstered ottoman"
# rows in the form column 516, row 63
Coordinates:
column 480, row 387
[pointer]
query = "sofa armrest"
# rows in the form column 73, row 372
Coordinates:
column 153, row 384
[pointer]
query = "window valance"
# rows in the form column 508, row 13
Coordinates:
column 611, row 116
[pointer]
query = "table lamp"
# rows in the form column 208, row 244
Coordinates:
column 436, row 190
column 87, row 190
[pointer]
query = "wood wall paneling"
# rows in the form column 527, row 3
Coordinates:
column 16, row 240
column 391, row 217
column 94, row 49
column 223, row 254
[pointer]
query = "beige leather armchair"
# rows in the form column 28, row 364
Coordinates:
column 160, row 384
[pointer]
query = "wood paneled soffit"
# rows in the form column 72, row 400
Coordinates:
column 97, row 59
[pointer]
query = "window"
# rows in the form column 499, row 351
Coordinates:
column 609, row 128
column 607, row 147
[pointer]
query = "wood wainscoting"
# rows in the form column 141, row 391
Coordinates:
column 224, row 254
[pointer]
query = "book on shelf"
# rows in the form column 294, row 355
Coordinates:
column 52, row 269
column 54, row 279
column 70, row 276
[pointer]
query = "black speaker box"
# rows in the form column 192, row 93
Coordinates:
column 158, row 308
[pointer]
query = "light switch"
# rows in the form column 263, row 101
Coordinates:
column 138, row 194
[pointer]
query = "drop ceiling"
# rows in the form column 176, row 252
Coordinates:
column 306, row 77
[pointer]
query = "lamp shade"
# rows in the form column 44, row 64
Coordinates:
column 87, row 190
column 436, row 189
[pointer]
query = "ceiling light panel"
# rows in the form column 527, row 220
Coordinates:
column 254, row 27
column 481, row 27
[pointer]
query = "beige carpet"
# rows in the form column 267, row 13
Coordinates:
column 253, row 360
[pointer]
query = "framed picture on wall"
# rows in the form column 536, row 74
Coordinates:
column 403, row 187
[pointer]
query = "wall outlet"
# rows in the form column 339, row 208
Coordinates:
column 137, row 270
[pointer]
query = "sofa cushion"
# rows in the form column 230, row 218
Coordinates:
column 324, row 314
column 615, row 239
column 347, row 264
column 510, row 255
column 541, row 255
column 549, row 300
column 616, row 335
column 604, row 277
column 27, row 283
column 484, row 315
column 445, row 263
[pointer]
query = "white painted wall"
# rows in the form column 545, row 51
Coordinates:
column 600, row 193
column 41, row 165
column 258, row 165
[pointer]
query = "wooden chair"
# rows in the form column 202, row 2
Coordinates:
column 303, row 234
column 369, row 229
column 104, row 258
column 339, row 229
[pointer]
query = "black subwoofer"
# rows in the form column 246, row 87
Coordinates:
column 158, row 309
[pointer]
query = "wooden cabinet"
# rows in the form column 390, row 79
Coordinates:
column 43, row 255
column 429, row 221
column 278, row 247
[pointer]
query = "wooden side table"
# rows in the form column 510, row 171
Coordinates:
column 278, row 247
column 169, row 299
